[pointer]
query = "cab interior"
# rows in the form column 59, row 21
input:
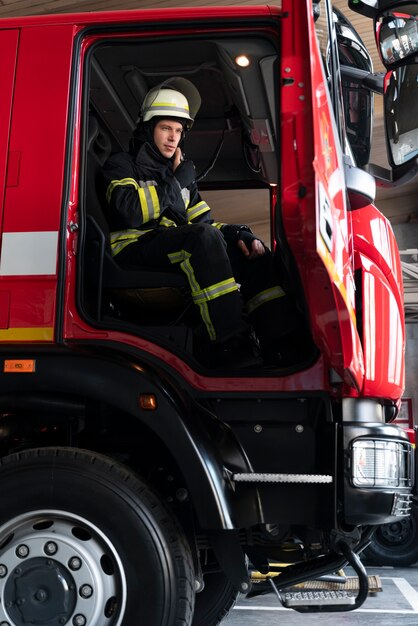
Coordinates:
column 234, row 144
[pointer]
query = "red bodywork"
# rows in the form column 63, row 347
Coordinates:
column 40, row 152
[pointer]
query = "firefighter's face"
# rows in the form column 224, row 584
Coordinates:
column 167, row 135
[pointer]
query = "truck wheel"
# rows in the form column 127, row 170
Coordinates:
column 215, row 601
column 395, row 544
column 83, row 541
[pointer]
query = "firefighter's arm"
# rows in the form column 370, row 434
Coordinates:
column 134, row 202
column 198, row 210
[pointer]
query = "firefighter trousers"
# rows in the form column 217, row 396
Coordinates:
column 224, row 284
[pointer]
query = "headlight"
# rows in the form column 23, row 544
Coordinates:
column 379, row 463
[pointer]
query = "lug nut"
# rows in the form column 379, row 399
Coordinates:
column 74, row 563
column 22, row 551
column 50, row 548
column 41, row 595
column 79, row 620
column 3, row 571
column 86, row 591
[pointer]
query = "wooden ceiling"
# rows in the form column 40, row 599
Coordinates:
column 399, row 204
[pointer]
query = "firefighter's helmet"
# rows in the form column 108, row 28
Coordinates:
column 176, row 97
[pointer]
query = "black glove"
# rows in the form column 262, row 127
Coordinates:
column 185, row 173
column 234, row 232
column 247, row 238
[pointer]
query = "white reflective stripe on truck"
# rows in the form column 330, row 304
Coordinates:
column 31, row 253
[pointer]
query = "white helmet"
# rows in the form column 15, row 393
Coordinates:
column 175, row 97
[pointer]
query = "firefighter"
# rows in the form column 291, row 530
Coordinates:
column 158, row 219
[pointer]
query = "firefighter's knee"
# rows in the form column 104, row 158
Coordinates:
column 207, row 237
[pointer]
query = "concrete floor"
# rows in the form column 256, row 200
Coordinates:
column 396, row 605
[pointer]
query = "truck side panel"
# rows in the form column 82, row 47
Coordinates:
column 8, row 51
column 33, row 195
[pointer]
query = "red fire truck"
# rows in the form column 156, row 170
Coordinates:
column 136, row 484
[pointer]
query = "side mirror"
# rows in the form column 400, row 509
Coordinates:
column 358, row 113
column 401, row 114
column 397, row 34
column 396, row 31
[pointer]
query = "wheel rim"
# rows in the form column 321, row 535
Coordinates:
column 58, row 568
column 397, row 533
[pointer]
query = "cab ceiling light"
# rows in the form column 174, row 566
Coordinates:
column 242, row 60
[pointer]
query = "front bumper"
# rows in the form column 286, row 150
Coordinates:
column 379, row 473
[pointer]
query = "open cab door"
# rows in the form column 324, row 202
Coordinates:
column 315, row 201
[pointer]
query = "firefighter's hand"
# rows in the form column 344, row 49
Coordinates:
column 256, row 248
column 183, row 169
column 177, row 159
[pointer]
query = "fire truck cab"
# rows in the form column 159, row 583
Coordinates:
column 136, row 484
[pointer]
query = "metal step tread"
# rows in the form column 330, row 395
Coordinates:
column 317, row 598
column 266, row 477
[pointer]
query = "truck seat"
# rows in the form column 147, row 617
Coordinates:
column 134, row 289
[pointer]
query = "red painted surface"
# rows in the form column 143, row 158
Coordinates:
column 44, row 149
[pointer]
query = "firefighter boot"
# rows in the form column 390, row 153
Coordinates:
column 237, row 352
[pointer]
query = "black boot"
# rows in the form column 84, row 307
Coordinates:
column 292, row 349
column 238, row 352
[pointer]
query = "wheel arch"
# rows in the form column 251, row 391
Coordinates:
column 67, row 384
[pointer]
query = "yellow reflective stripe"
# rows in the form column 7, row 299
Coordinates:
column 154, row 201
column 144, row 205
column 176, row 257
column 183, row 258
column 218, row 224
column 123, row 182
column 147, row 194
column 164, row 221
column 27, row 334
column 264, row 296
column 122, row 238
column 215, row 291
column 129, row 233
column 196, row 210
column 120, row 245
column 168, row 106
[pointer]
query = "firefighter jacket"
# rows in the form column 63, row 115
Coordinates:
column 145, row 195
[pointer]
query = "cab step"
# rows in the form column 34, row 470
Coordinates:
column 299, row 599
column 322, row 600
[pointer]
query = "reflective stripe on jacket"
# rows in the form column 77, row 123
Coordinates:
column 143, row 194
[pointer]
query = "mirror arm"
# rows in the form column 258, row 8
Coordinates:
column 371, row 81
column 388, row 179
column 369, row 8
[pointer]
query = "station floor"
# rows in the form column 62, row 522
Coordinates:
column 395, row 605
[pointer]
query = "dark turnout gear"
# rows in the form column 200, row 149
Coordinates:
column 158, row 219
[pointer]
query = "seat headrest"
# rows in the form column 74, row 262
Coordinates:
column 99, row 143
column 93, row 131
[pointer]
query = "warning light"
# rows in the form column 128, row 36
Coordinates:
column 148, row 401
column 19, row 366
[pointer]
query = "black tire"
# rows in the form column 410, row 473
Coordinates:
column 81, row 535
column 215, row 601
column 395, row 544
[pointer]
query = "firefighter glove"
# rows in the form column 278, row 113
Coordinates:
column 185, row 173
